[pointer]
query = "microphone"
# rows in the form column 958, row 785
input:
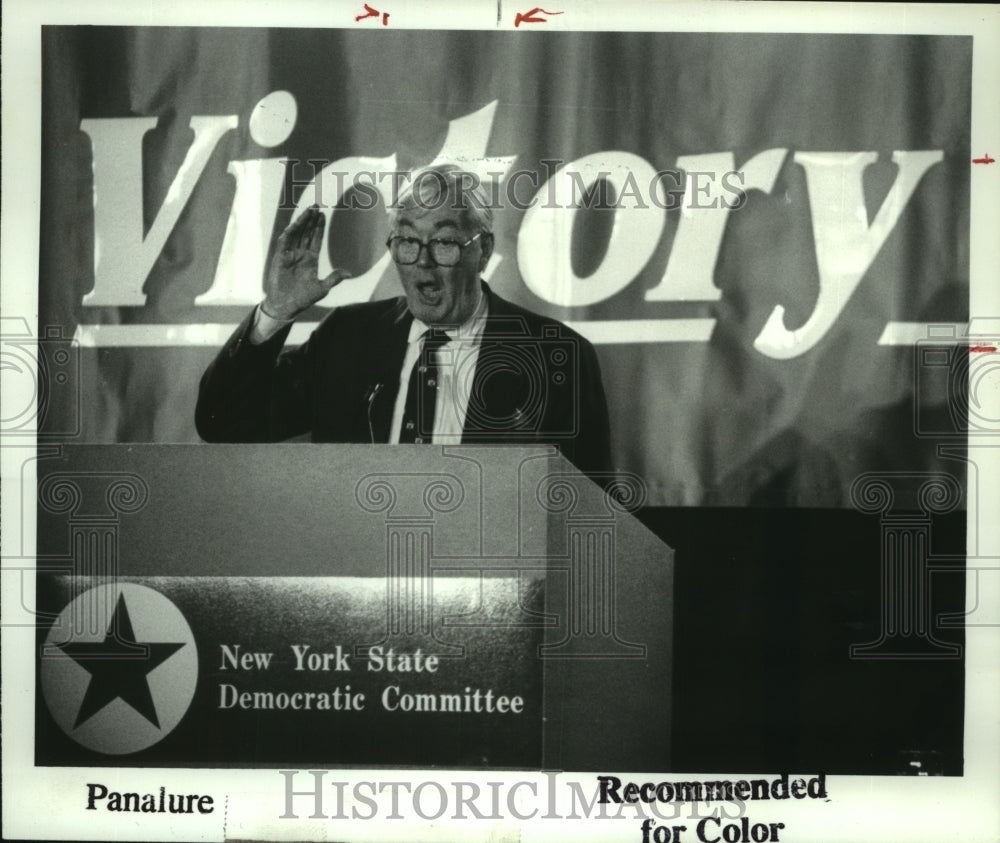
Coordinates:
column 370, row 399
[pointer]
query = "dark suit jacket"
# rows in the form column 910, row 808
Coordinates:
column 536, row 382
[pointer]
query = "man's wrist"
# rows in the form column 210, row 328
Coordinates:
column 265, row 326
column 274, row 314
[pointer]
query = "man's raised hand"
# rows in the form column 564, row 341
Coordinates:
column 293, row 283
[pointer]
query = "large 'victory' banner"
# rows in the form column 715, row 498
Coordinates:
column 758, row 232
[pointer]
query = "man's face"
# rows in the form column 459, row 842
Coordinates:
column 442, row 295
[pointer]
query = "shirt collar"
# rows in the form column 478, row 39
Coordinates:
column 471, row 328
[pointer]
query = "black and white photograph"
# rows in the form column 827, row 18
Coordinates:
column 476, row 422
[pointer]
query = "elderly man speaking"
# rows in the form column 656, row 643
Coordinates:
column 448, row 362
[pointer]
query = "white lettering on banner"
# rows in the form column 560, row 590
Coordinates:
column 240, row 270
column 845, row 244
column 605, row 332
column 123, row 258
column 691, row 266
column 466, row 143
column 543, row 243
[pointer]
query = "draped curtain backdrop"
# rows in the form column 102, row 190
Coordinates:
column 705, row 421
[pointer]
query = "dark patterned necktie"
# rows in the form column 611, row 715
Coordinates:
column 421, row 395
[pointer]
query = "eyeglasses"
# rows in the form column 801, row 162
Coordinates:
column 406, row 250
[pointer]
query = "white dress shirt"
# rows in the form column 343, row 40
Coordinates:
column 456, row 368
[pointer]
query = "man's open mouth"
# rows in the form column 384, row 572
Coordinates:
column 429, row 291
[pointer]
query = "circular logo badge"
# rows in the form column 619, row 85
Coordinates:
column 119, row 668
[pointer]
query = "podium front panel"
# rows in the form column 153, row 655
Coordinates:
column 311, row 605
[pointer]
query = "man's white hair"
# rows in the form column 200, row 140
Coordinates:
column 435, row 185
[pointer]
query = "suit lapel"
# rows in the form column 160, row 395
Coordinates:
column 495, row 396
column 494, row 388
column 390, row 348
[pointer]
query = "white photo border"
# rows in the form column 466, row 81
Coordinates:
column 45, row 803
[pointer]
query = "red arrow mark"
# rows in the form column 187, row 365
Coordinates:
column 984, row 160
column 529, row 17
column 369, row 13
